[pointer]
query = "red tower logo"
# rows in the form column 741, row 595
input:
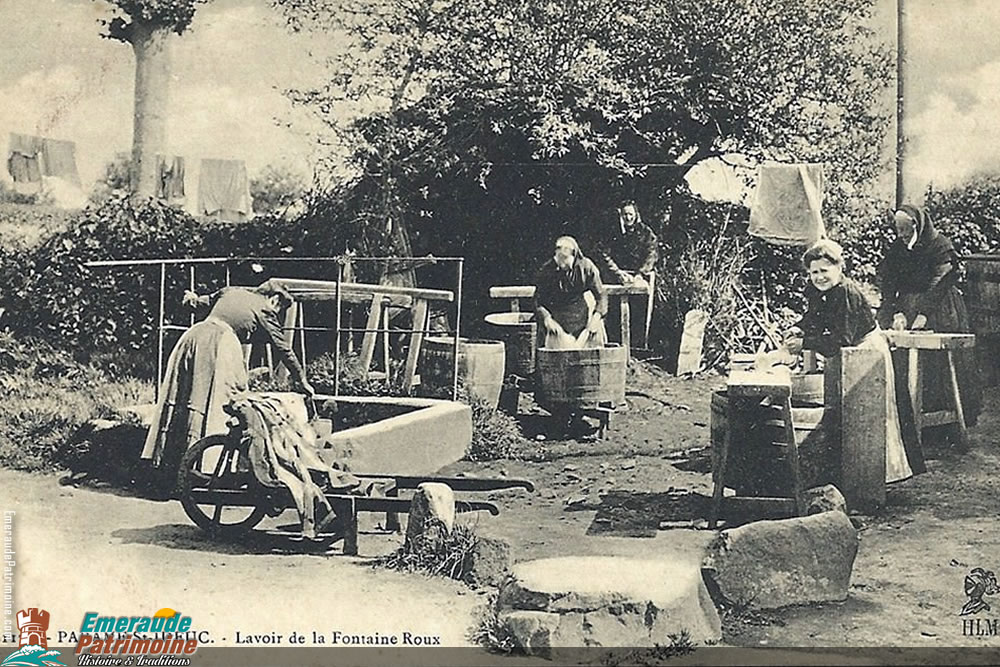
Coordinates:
column 33, row 623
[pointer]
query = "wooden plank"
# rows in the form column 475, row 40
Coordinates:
column 856, row 394
column 416, row 339
column 625, row 321
column 528, row 291
column 774, row 382
column 368, row 343
column 956, row 395
column 939, row 418
column 757, row 506
column 294, row 285
column 793, row 455
column 721, row 460
column 926, row 340
column 915, row 387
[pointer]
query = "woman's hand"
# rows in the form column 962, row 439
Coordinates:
column 594, row 324
column 919, row 322
column 899, row 322
column 190, row 299
column 551, row 325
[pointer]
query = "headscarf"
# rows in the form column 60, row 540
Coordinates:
column 913, row 267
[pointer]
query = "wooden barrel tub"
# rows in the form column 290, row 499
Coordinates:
column 758, row 454
column 518, row 332
column 582, row 379
column 481, row 365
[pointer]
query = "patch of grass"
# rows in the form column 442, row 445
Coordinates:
column 491, row 632
column 680, row 645
column 47, row 397
column 495, row 434
column 449, row 556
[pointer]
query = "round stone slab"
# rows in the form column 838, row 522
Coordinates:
column 606, row 601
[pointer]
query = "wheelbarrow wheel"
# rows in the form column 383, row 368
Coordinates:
column 217, row 488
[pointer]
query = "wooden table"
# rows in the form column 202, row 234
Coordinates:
column 928, row 342
column 774, row 384
column 620, row 293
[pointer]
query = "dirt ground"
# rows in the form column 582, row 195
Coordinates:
column 81, row 548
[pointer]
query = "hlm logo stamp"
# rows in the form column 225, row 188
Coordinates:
column 978, row 584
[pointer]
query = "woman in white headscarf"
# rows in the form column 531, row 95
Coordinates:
column 570, row 300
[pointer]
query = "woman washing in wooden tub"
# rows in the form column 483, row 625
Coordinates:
column 206, row 370
column 839, row 315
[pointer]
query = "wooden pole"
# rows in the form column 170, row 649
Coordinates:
column 900, row 134
column 159, row 344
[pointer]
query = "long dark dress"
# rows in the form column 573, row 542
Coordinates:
column 924, row 281
column 206, row 369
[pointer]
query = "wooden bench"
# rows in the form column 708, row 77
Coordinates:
column 620, row 293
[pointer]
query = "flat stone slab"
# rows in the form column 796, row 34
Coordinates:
column 606, row 602
column 771, row 564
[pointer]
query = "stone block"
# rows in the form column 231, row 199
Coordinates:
column 771, row 564
column 614, row 601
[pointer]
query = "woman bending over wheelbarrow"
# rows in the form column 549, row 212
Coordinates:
column 206, row 370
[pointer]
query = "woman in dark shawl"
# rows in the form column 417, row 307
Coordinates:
column 920, row 291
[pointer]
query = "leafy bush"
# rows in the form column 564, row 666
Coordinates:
column 24, row 226
column 53, row 296
column 9, row 195
column 968, row 214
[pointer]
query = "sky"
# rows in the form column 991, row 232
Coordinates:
column 59, row 78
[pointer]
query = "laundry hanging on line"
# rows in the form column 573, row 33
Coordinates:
column 24, row 158
column 30, row 158
column 787, row 206
column 170, row 177
column 224, row 190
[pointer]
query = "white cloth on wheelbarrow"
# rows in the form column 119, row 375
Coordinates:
column 283, row 451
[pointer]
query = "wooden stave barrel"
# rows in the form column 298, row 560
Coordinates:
column 757, row 463
column 519, row 333
column 481, row 366
column 807, row 389
column 581, row 378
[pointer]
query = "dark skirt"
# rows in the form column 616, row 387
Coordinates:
column 205, row 370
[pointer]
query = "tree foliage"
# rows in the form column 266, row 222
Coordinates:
column 493, row 125
column 172, row 15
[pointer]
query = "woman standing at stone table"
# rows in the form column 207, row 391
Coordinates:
column 919, row 279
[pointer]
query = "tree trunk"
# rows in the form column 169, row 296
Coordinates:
column 152, row 88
